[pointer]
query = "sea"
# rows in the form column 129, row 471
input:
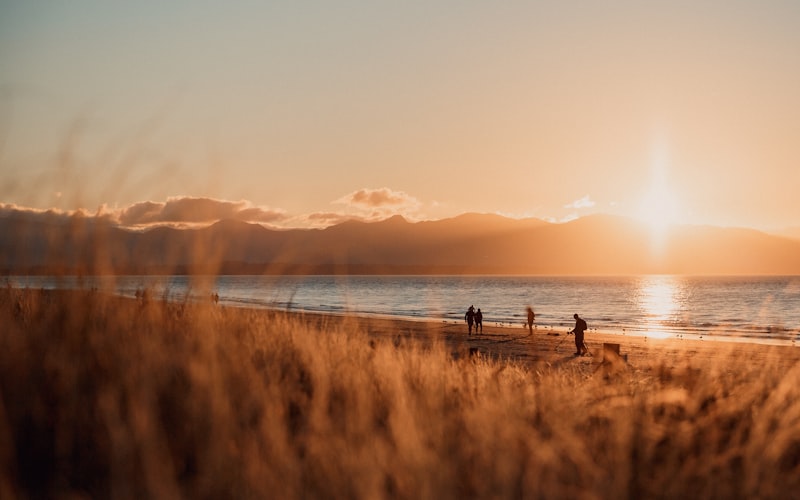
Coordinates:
column 764, row 309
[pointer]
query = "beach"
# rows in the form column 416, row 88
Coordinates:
column 554, row 347
column 544, row 346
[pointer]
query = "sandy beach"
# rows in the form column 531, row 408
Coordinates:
column 543, row 347
column 553, row 347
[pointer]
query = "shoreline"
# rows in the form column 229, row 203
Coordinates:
column 540, row 348
column 776, row 326
column 789, row 340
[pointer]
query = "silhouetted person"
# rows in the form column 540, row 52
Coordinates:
column 479, row 320
column 580, row 327
column 469, row 317
column 531, row 317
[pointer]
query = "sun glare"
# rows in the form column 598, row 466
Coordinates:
column 658, row 207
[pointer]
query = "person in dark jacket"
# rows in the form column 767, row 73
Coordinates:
column 580, row 327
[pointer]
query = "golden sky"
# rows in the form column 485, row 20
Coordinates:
column 304, row 112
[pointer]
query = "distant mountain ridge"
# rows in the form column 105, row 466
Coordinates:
column 466, row 244
column 792, row 232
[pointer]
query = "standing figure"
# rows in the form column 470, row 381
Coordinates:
column 531, row 317
column 479, row 320
column 580, row 327
column 469, row 317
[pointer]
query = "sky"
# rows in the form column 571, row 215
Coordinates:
column 302, row 113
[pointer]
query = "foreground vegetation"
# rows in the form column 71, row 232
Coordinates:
column 108, row 397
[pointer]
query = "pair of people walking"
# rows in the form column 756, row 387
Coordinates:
column 474, row 317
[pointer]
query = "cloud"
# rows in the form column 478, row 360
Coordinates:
column 325, row 219
column 370, row 205
column 364, row 205
column 563, row 220
column 55, row 215
column 568, row 218
column 584, row 202
column 177, row 211
column 381, row 198
column 196, row 210
column 10, row 210
column 141, row 213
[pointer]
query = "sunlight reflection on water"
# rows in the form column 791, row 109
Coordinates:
column 763, row 307
column 662, row 299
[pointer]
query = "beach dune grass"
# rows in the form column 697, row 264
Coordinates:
column 109, row 397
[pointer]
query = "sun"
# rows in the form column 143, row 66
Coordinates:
column 658, row 209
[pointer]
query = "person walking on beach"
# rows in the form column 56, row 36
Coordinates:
column 479, row 320
column 580, row 327
column 531, row 317
column 469, row 317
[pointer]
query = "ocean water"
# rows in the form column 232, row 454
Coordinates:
column 756, row 308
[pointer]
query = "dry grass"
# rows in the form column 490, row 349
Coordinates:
column 106, row 397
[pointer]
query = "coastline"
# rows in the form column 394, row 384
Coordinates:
column 740, row 309
column 543, row 348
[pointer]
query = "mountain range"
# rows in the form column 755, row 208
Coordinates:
column 467, row 244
